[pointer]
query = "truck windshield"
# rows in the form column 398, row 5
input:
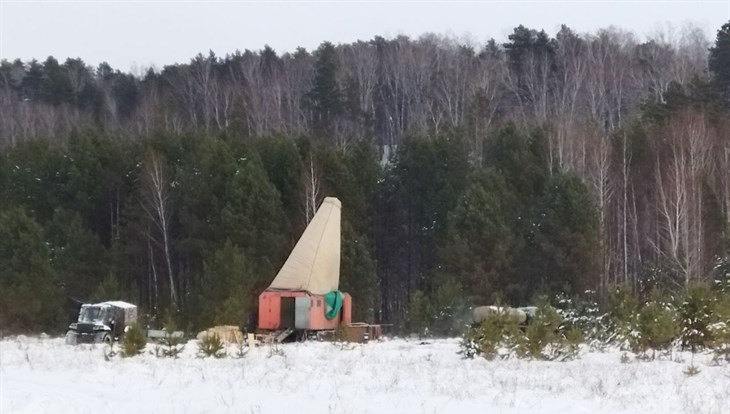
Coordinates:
column 91, row 314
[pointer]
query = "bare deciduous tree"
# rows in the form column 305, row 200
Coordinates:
column 156, row 203
column 312, row 196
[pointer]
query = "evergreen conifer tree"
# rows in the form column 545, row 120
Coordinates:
column 30, row 296
column 719, row 61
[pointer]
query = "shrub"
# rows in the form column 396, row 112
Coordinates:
column 485, row 339
column 581, row 318
column 572, row 338
column 720, row 329
column 469, row 345
column 623, row 308
column 691, row 371
column 448, row 308
column 134, row 341
column 546, row 337
column 657, row 327
column 539, row 333
column 242, row 350
column 211, row 345
column 171, row 346
column 696, row 315
column 542, row 338
column 419, row 314
column 722, row 278
column 622, row 304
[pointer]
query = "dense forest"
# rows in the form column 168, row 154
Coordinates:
column 468, row 174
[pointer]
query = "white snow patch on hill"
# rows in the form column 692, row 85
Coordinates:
column 39, row 375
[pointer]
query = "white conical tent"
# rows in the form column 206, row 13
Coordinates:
column 314, row 264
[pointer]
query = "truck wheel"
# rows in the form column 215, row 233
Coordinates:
column 71, row 338
column 106, row 339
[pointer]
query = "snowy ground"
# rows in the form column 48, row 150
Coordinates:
column 39, row 375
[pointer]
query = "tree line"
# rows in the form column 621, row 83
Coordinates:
column 467, row 174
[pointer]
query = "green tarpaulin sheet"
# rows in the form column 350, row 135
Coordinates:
column 333, row 302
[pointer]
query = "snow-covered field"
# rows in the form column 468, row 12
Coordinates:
column 39, row 375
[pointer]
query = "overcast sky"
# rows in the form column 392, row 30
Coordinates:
column 139, row 34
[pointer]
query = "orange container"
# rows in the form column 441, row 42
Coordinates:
column 284, row 309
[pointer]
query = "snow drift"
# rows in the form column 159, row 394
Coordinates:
column 40, row 375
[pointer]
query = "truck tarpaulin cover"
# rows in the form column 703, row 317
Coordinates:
column 314, row 264
column 333, row 300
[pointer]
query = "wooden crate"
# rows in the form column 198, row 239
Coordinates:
column 361, row 332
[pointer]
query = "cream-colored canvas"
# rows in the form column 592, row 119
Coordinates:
column 314, row 264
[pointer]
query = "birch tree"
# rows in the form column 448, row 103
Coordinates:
column 157, row 205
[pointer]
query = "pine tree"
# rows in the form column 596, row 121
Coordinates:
column 719, row 61
column 40, row 185
column 30, row 86
column 449, row 306
column 325, row 97
column 171, row 345
column 696, row 317
column 432, row 175
column 420, row 314
column 476, row 249
column 55, row 86
column 657, row 326
column 227, row 288
column 563, row 239
column 134, row 341
column 358, row 276
column 284, row 167
column 251, row 214
column 362, row 162
column 30, row 295
column 78, row 259
column 108, row 289
column 211, row 345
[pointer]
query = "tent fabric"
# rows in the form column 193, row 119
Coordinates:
column 333, row 304
column 314, row 263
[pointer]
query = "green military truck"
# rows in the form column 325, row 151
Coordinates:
column 101, row 322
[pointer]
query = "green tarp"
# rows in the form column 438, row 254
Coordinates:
column 333, row 303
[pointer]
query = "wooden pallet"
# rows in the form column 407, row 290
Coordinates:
column 274, row 337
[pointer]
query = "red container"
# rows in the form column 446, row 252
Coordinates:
column 284, row 309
